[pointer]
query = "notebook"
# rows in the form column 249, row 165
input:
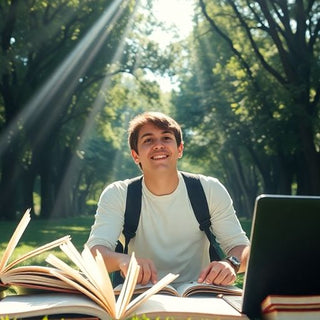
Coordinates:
column 285, row 249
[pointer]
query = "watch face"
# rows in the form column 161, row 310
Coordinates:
column 235, row 262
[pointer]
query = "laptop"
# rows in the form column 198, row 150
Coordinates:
column 285, row 250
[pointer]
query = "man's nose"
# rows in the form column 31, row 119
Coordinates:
column 158, row 144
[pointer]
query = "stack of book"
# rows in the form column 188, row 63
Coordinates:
column 281, row 307
column 84, row 289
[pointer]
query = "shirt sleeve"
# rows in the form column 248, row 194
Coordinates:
column 109, row 217
column 225, row 224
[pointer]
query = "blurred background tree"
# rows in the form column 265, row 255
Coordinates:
column 252, row 88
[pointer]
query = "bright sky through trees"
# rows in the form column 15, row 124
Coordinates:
column 178, row 15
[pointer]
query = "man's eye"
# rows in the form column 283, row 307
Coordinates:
column 147, row 140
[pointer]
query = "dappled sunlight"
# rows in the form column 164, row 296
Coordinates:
column 68, row 228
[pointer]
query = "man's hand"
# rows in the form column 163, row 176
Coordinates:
column 148, row 271
column 115, row 261
column 218, row 272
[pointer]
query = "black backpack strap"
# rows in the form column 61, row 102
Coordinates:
column 133, row 210
column 131, row 220
column 201, row 210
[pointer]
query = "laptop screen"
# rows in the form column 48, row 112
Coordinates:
column 285, row 249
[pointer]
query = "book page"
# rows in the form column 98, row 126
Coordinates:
column 150, row 292
column 128, row 286
column 96, row 284
column 96, row 272
column 165, row 306
column 92, row 295
column 89, row 269
column 100, row 290
column 34, row 275
column 79, row 282
column 186, row 289
column 37, row 251
column 15, row 239
column 40, row 305
column 168, row 289
column 193, row 287
column 106, row 284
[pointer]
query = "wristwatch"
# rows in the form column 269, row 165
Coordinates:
column 234, row 261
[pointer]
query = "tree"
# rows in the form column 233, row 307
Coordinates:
column 239, row 123
column 211, row 128
column 292, row 31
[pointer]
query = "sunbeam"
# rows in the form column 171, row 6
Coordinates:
column 64, row 80
column 96, row 108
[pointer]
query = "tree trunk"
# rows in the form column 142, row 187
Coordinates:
column 10, row 177
column 308, row 163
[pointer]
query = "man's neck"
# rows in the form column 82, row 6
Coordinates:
column 161, row 183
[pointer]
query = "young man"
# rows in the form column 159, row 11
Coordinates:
column 168, row 238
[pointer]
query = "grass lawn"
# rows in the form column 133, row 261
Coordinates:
column 40, row 231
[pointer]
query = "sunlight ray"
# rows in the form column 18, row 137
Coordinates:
column 96, row 108
column 64, row 80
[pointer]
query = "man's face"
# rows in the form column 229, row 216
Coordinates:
column 157, row 149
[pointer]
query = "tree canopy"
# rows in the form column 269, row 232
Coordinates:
column 253, row 90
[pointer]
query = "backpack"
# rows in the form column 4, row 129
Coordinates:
column 198, row 202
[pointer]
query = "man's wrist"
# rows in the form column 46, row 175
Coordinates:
column 234, row 262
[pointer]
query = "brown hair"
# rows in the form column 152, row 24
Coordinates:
column 158, row 119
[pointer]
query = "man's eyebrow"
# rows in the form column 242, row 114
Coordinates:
column 147, row 134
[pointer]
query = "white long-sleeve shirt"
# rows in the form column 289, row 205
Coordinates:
column 168, row 232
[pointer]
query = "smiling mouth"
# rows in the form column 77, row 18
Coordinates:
column 159, row 157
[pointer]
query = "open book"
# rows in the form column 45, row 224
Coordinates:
column 36, row 277
column 93, row 281
column 188, row 289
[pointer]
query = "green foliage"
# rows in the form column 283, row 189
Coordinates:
column 236, row 104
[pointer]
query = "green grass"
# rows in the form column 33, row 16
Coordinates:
column 39, row 232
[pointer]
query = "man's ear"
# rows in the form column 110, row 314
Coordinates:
column 180, row 150
column 135, row 156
